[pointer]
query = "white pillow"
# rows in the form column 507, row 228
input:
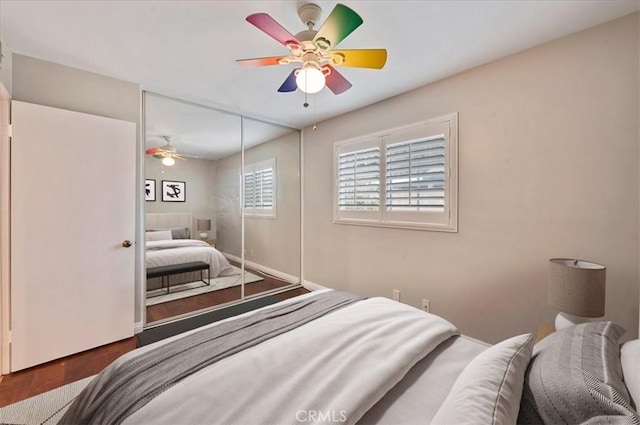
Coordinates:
column 489, row 388
column 630, row 361
column 160, row 235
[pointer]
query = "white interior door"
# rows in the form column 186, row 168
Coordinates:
column 72, row 206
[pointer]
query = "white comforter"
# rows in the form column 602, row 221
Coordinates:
column 331, row 370
column 177, row 251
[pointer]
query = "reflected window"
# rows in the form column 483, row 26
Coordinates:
column 260, row 189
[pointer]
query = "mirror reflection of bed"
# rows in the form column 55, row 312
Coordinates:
column 172, row 240
column 211, row 227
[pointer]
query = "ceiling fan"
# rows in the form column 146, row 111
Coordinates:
column 315, row 50
column 167, row 153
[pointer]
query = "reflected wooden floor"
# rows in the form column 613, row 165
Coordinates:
column 212, row 299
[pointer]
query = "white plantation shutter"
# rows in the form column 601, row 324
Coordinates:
column 249, row 189
column 259, row 189
column 359, row 180
column 415, row 175
column 404, row 177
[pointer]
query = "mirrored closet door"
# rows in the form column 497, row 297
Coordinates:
column 204, row 205
column 271, row 201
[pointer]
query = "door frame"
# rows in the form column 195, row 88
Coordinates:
column 5, row 236
column 5, row 172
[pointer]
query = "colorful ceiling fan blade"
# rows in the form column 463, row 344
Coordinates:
column 254, row 62
column 268, row 25
column 341, row 22
column 158, row 156
column 289, row 84
column 336, row 81
column 151, row 151
column 360, row 58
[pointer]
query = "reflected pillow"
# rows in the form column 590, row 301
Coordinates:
column 159, row 235
column 180, row 233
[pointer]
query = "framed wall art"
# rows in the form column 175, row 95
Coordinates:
column 173, row 191
column 150, row 190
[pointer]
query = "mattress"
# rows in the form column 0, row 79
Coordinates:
column 177, row 251
column 418, row 396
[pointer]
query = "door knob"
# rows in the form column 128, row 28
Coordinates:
column 126, row 243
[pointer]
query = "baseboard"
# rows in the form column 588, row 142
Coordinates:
column 138, row 327
column 266, row 270
column 312, row 286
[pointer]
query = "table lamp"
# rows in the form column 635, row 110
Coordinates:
column 577, row 289
column 203, row 224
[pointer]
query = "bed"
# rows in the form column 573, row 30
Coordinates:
column 334, row 357
column 168, row 242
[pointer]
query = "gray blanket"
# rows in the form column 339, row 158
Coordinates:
column 143, row 377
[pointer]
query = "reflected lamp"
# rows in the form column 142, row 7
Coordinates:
column 203, row 225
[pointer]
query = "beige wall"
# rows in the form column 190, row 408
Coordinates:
column 548, row 162
column 268, row 242
column 46, row 83
column 276, row 243
column 228, row 218
column 198, row 175
column 51, row 84
column 5, row 68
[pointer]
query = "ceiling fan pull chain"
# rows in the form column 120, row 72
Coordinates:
column 315, row 121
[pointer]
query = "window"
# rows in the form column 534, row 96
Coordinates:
column 404, row 177
column 359, row 180
column 260, row 189
column 415, row 173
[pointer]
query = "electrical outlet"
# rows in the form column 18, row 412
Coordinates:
column 426, row 305
column 396, row 295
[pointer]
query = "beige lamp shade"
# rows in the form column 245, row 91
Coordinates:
column 577, row 287
column 203, row 224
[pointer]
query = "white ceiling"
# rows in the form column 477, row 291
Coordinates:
column 187, row 48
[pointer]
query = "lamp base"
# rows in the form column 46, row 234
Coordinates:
column 564, row 320
column 203, row 235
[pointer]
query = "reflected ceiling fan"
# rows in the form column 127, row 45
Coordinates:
column 167, row 153
column 316, row 51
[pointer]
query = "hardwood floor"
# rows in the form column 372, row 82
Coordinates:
column 211, row 299
column 33, row 381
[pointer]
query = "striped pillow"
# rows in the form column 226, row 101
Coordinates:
column 575, row 377
column 488, row 389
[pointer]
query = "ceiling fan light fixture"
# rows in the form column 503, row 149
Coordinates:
column 168, row 161
column 310, row 79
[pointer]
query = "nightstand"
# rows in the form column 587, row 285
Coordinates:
column 211, row 241
column 544, row 329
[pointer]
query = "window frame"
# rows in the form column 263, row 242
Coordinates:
column 269, row 213
column 445, row 221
